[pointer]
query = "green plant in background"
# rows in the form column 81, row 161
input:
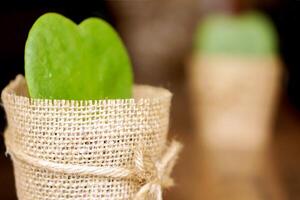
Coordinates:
column 68, row 61
column 247, row 34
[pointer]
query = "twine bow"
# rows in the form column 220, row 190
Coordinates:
column 153, row 175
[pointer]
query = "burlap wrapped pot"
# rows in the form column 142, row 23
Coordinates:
column 104, row 149
column 234, row 99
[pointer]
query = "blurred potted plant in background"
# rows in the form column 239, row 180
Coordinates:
column 235, row 76
column 234, row 82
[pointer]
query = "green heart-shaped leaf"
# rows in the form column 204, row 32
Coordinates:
column 250, row 34
column 68, row 61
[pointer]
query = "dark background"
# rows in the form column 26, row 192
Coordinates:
column 149, row 22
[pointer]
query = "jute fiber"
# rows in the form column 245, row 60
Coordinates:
column 234, row 99
column 104, row 149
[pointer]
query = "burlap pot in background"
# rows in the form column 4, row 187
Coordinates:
column 234, row 99
column 105, row 149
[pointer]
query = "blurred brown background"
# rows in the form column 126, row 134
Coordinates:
column 159, row 36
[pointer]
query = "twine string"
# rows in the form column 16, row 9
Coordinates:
column 157, row 175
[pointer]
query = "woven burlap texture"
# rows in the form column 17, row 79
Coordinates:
column 104, row 149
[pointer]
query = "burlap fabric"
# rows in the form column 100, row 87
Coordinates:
column 105, row 149
column 234, row 99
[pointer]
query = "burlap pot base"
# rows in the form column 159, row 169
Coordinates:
column 105, row 149
column 234, row 100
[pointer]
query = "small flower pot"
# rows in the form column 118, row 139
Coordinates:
column 104, row 149
column 234, row 100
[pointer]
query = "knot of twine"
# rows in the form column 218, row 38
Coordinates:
column 153, row 175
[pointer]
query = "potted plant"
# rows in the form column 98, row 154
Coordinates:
column 77, row 126
column 234, row 81
column 234, row 78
